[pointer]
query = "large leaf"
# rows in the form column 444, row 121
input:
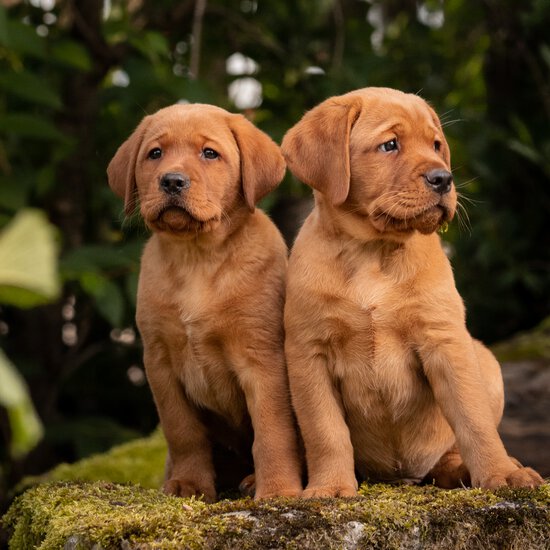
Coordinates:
column 22, row 39
column 71, row 54
column 101, row 257
column 152, row 45
column 13, row 194
column 28, row 260
column 26, row 428
column 3, row 26
column 107, row 295
column 31, row 126
column 96, row 266
column 31, row 87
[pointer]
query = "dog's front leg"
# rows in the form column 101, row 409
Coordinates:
column 190, row 470
column 329, row 452
column 277, row 464
column 452, row 367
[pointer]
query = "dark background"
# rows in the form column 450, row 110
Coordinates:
column 77, row 76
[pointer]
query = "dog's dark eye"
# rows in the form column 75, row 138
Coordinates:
column 437, row 145
column 209, row 154
column 389, row 146
column 155, row 153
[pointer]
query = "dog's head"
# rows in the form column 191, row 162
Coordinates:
column 377, row 153
column 191, row 166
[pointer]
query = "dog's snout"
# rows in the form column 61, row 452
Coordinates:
column 439, row 180
column 173, row 183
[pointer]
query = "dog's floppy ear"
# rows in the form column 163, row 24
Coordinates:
column 262, row 164
column 122, row 168
column 316, row 149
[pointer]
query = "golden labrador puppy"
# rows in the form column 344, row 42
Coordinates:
column 211, row 294
column 384, row 376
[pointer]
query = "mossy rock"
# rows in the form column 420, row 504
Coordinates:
column 533, row 345
column 104, row 515
column 140, row 462
column 99, row 509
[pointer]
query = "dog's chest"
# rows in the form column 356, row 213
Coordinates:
column 193, row 330
column 375, row 360
column 205, row 369
column 369, row 288
column 377, row 292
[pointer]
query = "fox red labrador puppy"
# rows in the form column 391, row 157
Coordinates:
column 211, row 294
column 385, row 379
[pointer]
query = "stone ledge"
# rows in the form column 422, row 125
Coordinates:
column 104, row 515
column 112, row 501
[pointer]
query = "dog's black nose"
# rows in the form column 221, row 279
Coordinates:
column 173, row 183
column 439, row 180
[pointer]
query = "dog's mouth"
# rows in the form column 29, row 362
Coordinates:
column 177, row 219
column 426, row 221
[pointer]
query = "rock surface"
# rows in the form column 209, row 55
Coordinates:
column 525, row 427
column 105, row 515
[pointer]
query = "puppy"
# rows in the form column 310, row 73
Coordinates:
column 384, row 376
column 211, row 294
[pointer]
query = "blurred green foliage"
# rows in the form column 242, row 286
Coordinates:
column 77, row 76
column 28, row 277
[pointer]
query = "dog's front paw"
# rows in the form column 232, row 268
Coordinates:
column 524, row 477
column 325, row 491
column 286, row 492
column 190, row 488
column 516, row 476
column 276, row 488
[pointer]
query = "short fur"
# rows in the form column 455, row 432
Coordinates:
column 211, row 295
column 385, row 378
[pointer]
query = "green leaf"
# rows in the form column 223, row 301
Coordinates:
column 28, row 86
column 23, row 39
column 22, row 297
column 28, row 260
column 13, row 195
column 26, row 428
column 32, row 126
column 3, row 26
column 107, row 296
column 526, row 151
column 545, row 53
column 98, row 257
column 72, row 54
column 151, row 44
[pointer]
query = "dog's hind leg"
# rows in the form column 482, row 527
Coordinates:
column 449, row 472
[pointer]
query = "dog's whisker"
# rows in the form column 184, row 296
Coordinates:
column 451, row 122
column 463, row 217
column 469, row 200
column 466, row 183
column 463, row 197
column 463, row 184
column 446, row 113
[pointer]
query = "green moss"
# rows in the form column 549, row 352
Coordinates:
column 103, row 510
column 81, row 515
column 532, row 345
column 140, row 462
